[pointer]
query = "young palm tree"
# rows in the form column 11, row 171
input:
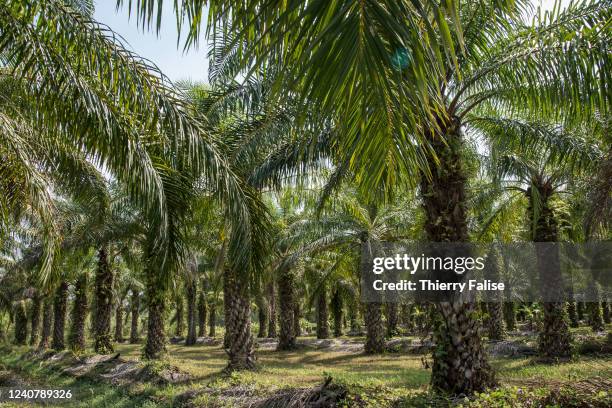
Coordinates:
column 248, row 132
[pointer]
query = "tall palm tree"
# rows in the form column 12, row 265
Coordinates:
column 542, row 161
column 242, row 118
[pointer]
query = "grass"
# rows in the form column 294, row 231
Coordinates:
column 86, row 393
column 302, row 367
column 379, row 380
column 521, row 371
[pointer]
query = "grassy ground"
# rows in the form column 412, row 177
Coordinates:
column 378, row 380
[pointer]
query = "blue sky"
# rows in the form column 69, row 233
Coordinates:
column 163, row 49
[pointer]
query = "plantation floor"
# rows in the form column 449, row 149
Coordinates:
column 305, row 367
column 375, row 380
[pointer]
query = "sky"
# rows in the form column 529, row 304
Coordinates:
column 163, row 49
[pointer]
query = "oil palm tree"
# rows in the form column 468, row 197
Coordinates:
column 541, row 162
column 283, row 267
column 344, row 226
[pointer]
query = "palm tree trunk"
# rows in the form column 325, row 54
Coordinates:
column 119, row 322
column 240, row 348
column 510, row 316
column 135, row 306
column 392, row 318
column 92, row 323
column 406, row 317
column 375, row 328
column 47, row 324
column 322, row 314
column 126, row 315
column 202, row 314
column 555, row 321
column 595, row 315
column 494, row 301
column 59, row 316
column 355, row 328
column 286, row 297
column 21, row 323
column 103, row 310
column 580, row 307
column 554, row 340
column 191, row 289
column 227, row 315
column 457, row 335
column 178, row 317
column 459, row 361
column 212, row 320
column 272, row 318
column 76, row 339
column 35, row 319
column 336, row 306
column 571, row 306
column 155, row 345
column 297, row 330
column 262, row 317
column 496, row 321
column 606, row 311
column 572, row 314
